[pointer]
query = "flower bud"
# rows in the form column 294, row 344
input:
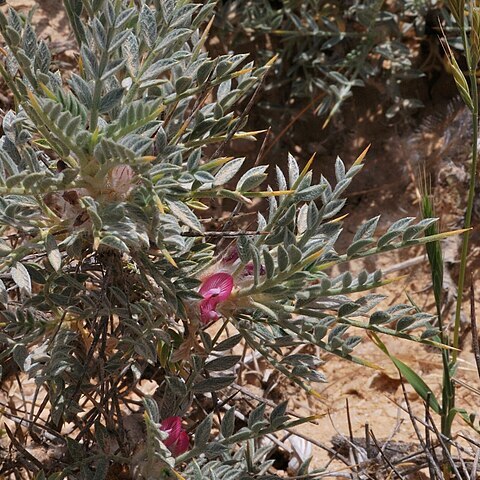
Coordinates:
column 177, row 440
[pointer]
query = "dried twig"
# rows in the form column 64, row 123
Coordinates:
column 350, row 432
column 240, row 119
column 473, row 320
column 411, row 262
column 292, row 122
column 25, row 453
column 385, row 457
column 428, row 442
column 473, row 474
column 413, row 419
column 234, row 213
column 446, row 451
column 313, row 441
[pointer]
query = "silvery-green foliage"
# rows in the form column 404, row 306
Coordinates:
column 296, row 299
column 223, row 460
column 133, row 123
column 102, row 171
column 333, row 47
column 214, row 455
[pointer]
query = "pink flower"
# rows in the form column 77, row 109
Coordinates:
column 177, row 440
column 215, row 289
column 249, row 270
column 232, row 256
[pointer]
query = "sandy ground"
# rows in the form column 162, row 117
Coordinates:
column 49, row 17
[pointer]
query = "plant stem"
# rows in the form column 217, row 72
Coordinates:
column 97, row 91
column 468, row 214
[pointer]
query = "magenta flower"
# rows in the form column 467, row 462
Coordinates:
column 249, row 269
column 232, row 256
column 177, row 440
column 215, row 289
